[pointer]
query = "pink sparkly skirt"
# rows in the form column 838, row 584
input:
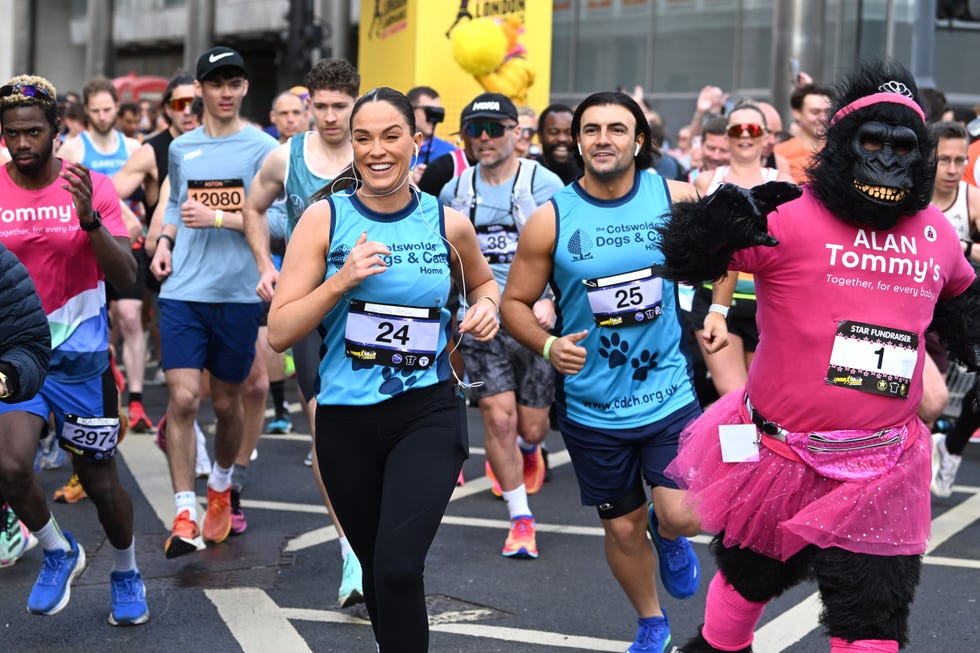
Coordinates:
column 778, row 505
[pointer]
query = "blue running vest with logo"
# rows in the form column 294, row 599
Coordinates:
column 301, row 181
column 417, row 275
column 107, row 164
column 637, row 369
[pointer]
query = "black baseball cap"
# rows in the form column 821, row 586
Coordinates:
column 489, row 105
column 217, row 58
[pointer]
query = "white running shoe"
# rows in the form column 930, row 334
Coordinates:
column 202, row 468
column 944, row 467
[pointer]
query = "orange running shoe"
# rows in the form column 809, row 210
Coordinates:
column 217, row 521
column 72, row 492
column 533, row 470
column 184, row 538
column 117, row 376
column 495, row 488
column 520, row 540
column 138, row 421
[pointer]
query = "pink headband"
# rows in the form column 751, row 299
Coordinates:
column 867, row 100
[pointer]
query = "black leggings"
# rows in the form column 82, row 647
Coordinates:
column 390, row 470
column 966, row 424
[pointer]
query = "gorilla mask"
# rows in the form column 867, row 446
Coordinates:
column 876, row 165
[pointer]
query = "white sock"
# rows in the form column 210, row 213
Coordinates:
column 345, row 549
column 517, row 502
column 524, row 446
column 124, row 559
column 51, row 537
column 186, row 501
column 220, row 479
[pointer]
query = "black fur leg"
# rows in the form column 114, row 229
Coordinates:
column 956, row 322
column 756, row 577
column 865, row 596
column 698, row 644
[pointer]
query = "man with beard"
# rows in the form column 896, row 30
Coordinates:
column 828, row 459
column 75, row 237
column 555, row 135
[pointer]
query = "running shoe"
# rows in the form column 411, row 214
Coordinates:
column 238, row 523
column 184, row 538
column 49, row 455
column 460, row 481
column 280, row 425
column 495, row 487
column 533, row 470
column 944, row 467
column 52, row 589
column 217, row 520
column 71, row 492
column 128, row 599
column 202, row 464
column 520, row 540
column 308, row 461
column 15, row 538
column 652, row 635
column 680, row 570
column 117, row 376
column 975, row 438
column 161, row 437
column 350, row 592
column 138, row 421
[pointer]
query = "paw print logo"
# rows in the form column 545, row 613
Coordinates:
column 643, row 364
column 396, row 381
column 614, row 350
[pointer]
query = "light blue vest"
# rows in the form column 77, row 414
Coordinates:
column 637, row 370
column 301, row 181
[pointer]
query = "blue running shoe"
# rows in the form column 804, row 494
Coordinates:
column 350, row 584
column 58, row 571
column 128, row 599
column 680, row 570
column 280, row 426
column 652, row 635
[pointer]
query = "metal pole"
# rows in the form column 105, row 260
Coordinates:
column 890, row 29
column 335, row 15
column 924, row 43
column 200, row 31
column 97, row 53
column 737, row 54
column 24, row 36
column 797, row 34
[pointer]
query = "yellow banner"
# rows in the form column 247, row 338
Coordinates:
column 461, row 48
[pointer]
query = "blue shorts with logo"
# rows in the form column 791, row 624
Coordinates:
column 93, row 400
column 609, row 462
column 219, row 337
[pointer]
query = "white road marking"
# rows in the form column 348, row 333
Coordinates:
column 256, row 622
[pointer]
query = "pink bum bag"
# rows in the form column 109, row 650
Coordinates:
column 843, row 455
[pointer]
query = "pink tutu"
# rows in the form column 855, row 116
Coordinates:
column 777, row 506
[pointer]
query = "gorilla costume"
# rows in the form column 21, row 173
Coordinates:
column 820, row 467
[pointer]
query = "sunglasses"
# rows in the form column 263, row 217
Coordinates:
column 180, row 103
column 493, row 129
column 749, row 129
column 27, row 90
column 527, row 133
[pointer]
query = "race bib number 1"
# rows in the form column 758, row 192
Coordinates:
column 224, row 194
column 874, row 359
column 388, row 334
column 625, row 299
column 94, row 438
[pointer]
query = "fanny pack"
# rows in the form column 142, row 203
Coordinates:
column 843, row 455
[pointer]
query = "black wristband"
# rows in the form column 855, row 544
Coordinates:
column 168, row 239
column 969, row 248
column 94, row 224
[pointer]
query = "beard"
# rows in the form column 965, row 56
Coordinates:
column 567, row 170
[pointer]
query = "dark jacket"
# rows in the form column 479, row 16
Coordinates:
column 25, row 337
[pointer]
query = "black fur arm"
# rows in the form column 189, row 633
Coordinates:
column 956, row 321
column 699, row 238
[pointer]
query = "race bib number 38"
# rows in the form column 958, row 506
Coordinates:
column 874, row 359
column 94, row 438
column 388, row 334
column 224, row 194
column 625, row 299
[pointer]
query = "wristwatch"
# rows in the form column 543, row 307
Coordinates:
column 94, row 224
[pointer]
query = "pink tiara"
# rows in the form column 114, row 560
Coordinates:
column 868, row 100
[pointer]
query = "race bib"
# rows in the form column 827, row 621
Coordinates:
column 94, row 438
column 873, row 359
column 497, row 242
column 224, row 194
column 625, row 299
column 388, row 334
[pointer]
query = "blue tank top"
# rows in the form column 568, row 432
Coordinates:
column 387, row 335
column 637, row 369
column 301, row 181
column 107, row 164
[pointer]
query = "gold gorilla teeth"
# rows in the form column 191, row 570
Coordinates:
column 883, row 193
